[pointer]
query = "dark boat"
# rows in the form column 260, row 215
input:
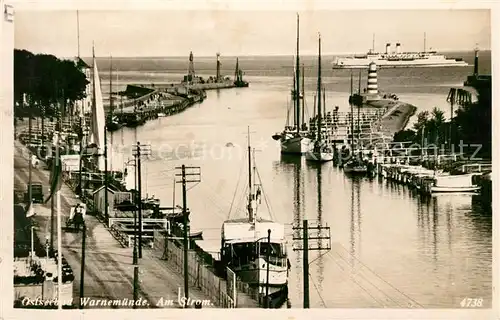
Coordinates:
column 113, row 124
column 133, row 120
column 276, row 136
column 238, row 77
column 355, row 166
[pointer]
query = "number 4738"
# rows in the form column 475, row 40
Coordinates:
column 471, row 303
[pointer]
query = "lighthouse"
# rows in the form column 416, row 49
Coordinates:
column 372, row 79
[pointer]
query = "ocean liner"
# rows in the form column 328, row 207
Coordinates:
column 398, row 59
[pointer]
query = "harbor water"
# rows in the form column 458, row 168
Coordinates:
column 389, row 247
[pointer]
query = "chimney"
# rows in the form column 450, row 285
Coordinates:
column 398, row 47
column 388, row 48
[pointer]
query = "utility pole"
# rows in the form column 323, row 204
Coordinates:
column 106, row 186
column 30, row 195
column 52, row 208
column 314, row 232
column 138, row 151
column 267, row 266
column 82, row 270
column 196, row 178
column 134, row 254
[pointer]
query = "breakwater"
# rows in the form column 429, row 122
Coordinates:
column 149, row 102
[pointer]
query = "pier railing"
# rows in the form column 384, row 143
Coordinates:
column 253, row 292
column 200, row 274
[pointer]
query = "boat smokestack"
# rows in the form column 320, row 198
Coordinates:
column 398, row 47
column 372, row 79
column 476, row 62
column 388, row 48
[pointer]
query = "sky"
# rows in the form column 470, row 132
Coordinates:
column 163, row 33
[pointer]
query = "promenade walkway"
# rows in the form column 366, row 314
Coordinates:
column 108, row 266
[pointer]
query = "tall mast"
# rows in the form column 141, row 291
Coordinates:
column 294, row 98
column 352, row 120
column 111, row 85
column 250, row 194
column 297, row 81
column 237, row 71
column 93, row 89
column 78, row 31
column 373, row 43
column 425, row 39
column 303, row 95
column 324, row 100
column 319, row 87
column 359, row 83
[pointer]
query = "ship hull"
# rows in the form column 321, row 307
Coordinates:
column 436, row 189
column 319, row 156
column 387, row 64
column 295, row 145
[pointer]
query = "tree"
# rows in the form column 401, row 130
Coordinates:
column 405, row 136
column 46, row 81
column 435, row 126
column 422, row 119
column 473, row 121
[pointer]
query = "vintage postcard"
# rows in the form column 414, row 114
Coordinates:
column 182, row 156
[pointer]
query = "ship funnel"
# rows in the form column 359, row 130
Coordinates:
column 388, row 48
column 372, row 79
column 398, row 47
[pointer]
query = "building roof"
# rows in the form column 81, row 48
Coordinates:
column 101, row 187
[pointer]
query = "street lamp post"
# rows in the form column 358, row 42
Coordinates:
column 47, row 247
column 32, row 252
column 268, row 253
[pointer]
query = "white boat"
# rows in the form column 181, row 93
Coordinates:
column 294, row 140
column 397, row 59
column 98, row 120
column 454, row 183
column 247, row 250
column 322, row 150
column 435, row 189
column 161, row 114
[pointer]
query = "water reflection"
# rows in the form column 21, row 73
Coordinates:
column 298, row 208
column 414, row 235
column 319, row 261
column 355, row 219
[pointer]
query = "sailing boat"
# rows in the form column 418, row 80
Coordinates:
column 97, row 137
column 355, row 164
column 293, row 139
column 247, row 248
column 322, row 150
column 238, row 77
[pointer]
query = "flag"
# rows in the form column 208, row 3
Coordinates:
column 55, row 178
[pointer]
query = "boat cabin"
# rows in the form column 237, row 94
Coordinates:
column 244, row 242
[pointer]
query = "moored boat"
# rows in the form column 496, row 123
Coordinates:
column 254, row 248
column 454, row 183
column 293, row 139
column 322, row 150
column 355, row 166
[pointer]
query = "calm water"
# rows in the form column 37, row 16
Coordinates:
column 389, row 247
